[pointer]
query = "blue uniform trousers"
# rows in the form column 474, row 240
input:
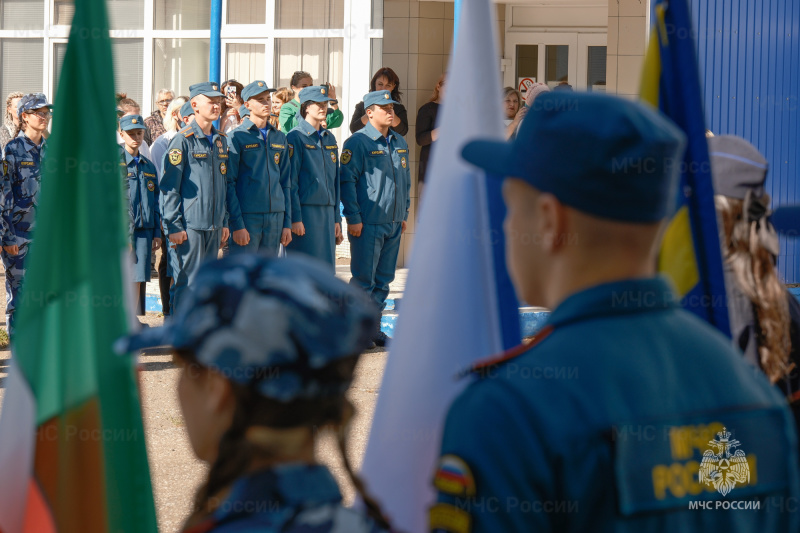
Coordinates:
column 187, row 258
column 319, row 240
column 142, row 254
column 265, row 233
column 14, row 266
column 374, row 259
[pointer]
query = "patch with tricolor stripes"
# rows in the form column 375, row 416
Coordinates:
column 449, row 518
column 454, row 477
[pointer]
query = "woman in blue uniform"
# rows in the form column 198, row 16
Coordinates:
column 314, row 154
column 257, row 384
column 141, row 182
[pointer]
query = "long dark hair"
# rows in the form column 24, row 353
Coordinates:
column 755, row 275
column 237, row 453
column 391, row 77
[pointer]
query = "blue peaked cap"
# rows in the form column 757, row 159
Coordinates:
column 314, row 93
column 379, row 98
column 603, row 155
column 269, row 322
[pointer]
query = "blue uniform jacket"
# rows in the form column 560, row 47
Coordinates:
column 258, row 174
column 19, row 194
column 603, row 424
column 375, row 179
column 194, row 182
column 315, row 169
column 289, row 497
column 143, row 194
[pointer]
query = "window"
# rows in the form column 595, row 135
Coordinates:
column 377, row 15
column 527, row 63
column 309, row 14
column 17, row 75
column 22, row 15
column 247, row 11
column 59, row 51
column 125, row 14
column 182, row 15
column 179, row 63
column 376, row 55
column 596, row 69
column 322, row 58
column 128, row 68
column 63, row 10
column 556, row 64
column 244, row 62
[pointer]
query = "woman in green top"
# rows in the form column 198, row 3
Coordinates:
column 288, row 116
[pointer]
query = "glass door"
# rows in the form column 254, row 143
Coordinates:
column 592, row 61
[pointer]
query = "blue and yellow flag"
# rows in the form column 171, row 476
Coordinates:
column 691, row 253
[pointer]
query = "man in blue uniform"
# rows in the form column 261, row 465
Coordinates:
column 316, row 220
column 194, row 188
column 19, row 195
column 375, row 184
column 258, row 178
column 626, row 413
column 141, row 182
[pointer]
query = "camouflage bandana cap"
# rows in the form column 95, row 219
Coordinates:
column 272, row 322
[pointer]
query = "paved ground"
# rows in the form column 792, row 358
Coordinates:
column 174, row 470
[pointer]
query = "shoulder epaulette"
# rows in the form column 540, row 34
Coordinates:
column 481, row 367
column 187, row 131
column 221, row 134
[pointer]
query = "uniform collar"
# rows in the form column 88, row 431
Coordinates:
column 617, row 298
column 308, row 129
column 198, row 131
column 370, row 131
column 129, row 157
column 29, row 143
column 293, row 485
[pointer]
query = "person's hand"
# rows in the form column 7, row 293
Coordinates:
column 434, row 134
column 178, row 238
column 355, row 229
column 286, row 237
column 331, row 91
column 520, row 115
column 337, row 232
column 156, row 243
column 225, row 234
column 241, row 237
column 11, row 250
column 403, row 226
column 233, row 101
column 298, row 229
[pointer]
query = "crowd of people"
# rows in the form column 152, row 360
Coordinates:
column 273, row 176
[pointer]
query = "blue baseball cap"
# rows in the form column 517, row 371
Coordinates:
column 268, row 322
column 254, row 89
column 186, row 110
column 243, row 111
column 32, row 101
column 206, row 88
column 602, row 155
column 314, row 93
column 379, row 98
column 132, row 122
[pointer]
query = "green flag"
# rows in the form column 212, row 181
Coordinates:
column 89, row 460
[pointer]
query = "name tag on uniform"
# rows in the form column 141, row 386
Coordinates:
column 26, row 163
column 200, row 155
column 377, row 152
column 700, row 461
column 251, row 146
column 311, row 147
column 331, row 147
column 148, row 175
column 222, row 156
column 278, row 146
column 131, row 175
column 402, row 151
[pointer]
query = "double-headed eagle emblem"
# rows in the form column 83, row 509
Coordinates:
column 724, row 469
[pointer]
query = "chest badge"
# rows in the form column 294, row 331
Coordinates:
column 403, row 162
column 333, row 157
column 277, row 158
column 223, row 168
column 346, row 155
column 151, row 186
column 219, row 145
column 175, row 156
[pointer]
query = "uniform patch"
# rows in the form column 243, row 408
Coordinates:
column 453, row 476
column 331, row 147
column 26, row 163
column 223, row 168
column 291, row 151
column 403, row 162
column 151, row 186
column 277, row 158
column 249, row 146
column 148, row 175
column 377, row 152
column 219, row 145
column 278, row 146
column 333, row 157
column 200, row 155
column 5, row 167
column 311, row 147
column 445, row 517
column 402, row 151
column 175, row 156
column 346, row 155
